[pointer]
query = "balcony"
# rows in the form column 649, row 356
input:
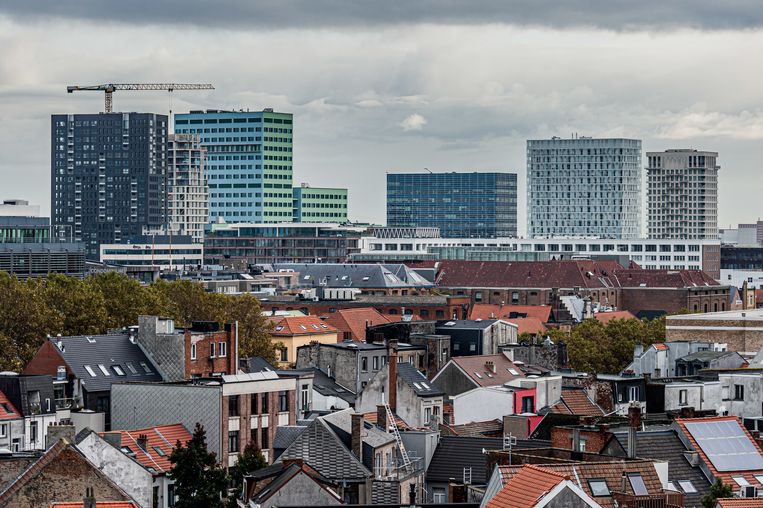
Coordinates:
column 666, row 500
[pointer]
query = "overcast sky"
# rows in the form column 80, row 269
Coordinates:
column 399, row 85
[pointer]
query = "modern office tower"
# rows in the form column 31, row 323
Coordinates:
column 462, row 205
column 187, row 201
column 319, row 204
column 584, row 187
column 682, row 194
column 248, row 164
column 108, row 175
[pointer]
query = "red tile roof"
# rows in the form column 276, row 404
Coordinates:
column 7, row 410
column 739, row 502
column 606, row 317
column 531, row 325
column 371, row 417
column 575, row 401
column 526, row 488
column 476, row 368
column 490, row 311
column 354, row 321
column 300, row 325
column 663, row 278
column 161, row 442
column 660, row 347
column 98, row 504
column 725, row 476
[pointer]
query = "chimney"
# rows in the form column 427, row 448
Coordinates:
column 58, row 431
column 113, row 438
column 381, row 418
column 490, row 366
column 143, row 442
column 357, row 440
column 634, row 423
column 638, row 350
column 687, row 412
column 576, row 439
column 89, row 500
column 392, row 374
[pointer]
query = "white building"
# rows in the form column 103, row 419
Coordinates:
column 18, row 208
column 584, row 187
column 187, row 196
column 163, row 252
column 682, row 194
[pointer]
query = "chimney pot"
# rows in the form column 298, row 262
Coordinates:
column 143, row 442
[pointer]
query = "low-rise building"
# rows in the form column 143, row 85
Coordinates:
column 289, row 483
column 659, row 360
column 468, row 338
column 465, row 373
column 353, row 323
column 741, row 331
column 11, row 425
column 290, row 333
column 143, row 255
column 32, row 398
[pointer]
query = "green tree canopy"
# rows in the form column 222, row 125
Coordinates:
column 250, row 459
column 199, row 481
column 717, row 490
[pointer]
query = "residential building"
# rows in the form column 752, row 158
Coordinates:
column 108, row 175
column 576, row 401
column 289, row 483
column 349, row 279
column 144, row 255
column 464, row 373
column 30, row 247
column 32, row 399
column 292, row 332
column 248, row 243
column 187, row 193
column 234, row 409
column 149, row 449
column 319, row 204
column 659, row 360
column 682, row 194
column 85, row 367
column 461, row 205
column 534, row 486
column 739, row 330
column 613, row 394
column 354, row 323
column 691, row 364
column 248, row 163
column 680, row 394
column 469, row 338
column 584, row 187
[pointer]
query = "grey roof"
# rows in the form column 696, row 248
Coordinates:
column 328, row 387
column 109, row 351
column 282, row 475
column 464, row 324
column 371, row 434
column 664, row 444
column 320, row 448
column 705, row 356
column 350, row 275
column 453, row 454
column 286, row 435
column 416, row 380
column 259, row 364
column 371, row 346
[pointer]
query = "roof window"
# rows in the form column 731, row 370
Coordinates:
column 599, row 487
column 131, row 368
column 118, row 370
column 145, row 367
column 90, row 370
column 103, row 369
column 687, row 486
column 637, row 484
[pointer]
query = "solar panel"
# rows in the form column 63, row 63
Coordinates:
column 726, row 445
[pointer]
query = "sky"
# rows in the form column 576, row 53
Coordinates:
column 400, row 85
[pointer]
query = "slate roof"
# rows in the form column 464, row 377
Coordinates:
column 475, row 367
column 113, row 352
column 321, row 448
column 490, row 428
column 370, row 434
column 453, row 454
column 526, row 488
column 7, row 410
column 259, row 364
column 417, row 381
column 300, row 325
column 286, row 435
column 706, row 356
column 271, row 479
column 575, row 401
column 354, row 321
column 490, row 311
column 665, row 445
column 464, row 324
column 328, row 387
column 348, row 275
column 161, row 442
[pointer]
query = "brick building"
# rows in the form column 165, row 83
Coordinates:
column 741, row 331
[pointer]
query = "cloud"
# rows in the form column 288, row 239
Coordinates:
column 283, row 14
column 414, row 122
column 713, row 124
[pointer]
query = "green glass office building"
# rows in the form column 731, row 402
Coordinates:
column 320, row 204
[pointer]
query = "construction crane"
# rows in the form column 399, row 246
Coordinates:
column 112, row 87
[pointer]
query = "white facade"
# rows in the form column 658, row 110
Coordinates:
column 483, row 404
column 548, row 389
column 187, row 196
column 164, row 256
column 647, row 253
column 584, row 186
column 736, row 278
column 682, row 194
column 18, row 208
column 742, row 393
column 699, row 395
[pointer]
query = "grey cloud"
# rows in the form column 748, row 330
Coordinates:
column 278, row 14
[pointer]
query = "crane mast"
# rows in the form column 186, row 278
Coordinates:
column 110, row 88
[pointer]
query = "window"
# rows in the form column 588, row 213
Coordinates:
column 581, row 445
column 33, row 432
column 193, row 351
column 687, row 486
column 527, row 405
column 738, row 392
column 375, row 363
column 7, row 407
column 253, row 401
column 759, row 477
column 3, row 430
column 264, row 439
column 682, row 396
column 599, row 487
column 283, row 401
column 364, row 364
column 212, row 350
column 741, row 481
column 171, row 495
column 90, row 370
column 145, row 367
column 103, row 369
column 223, row 349
column 305, row 397
column 439, row 496
column 633, row 393
column 637, row 484
column 233, row 441
column 131, row 368
column 284, row 355
column 118, row 370
column 264, row 406
column 233, row 405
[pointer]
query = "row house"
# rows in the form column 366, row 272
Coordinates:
column 27, row 408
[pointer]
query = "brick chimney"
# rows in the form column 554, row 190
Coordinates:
column 296, row 461
column 357, row 439
column 392, row 372
column 143, row 442
column 89, row 500
column 634, row 423
column 381, row 418
column 490, row 366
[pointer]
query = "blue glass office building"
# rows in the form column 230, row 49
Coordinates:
column 462, row 205
column 249, row 162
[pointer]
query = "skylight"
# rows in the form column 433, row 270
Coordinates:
column 131, row 368
column 513, row 372
column 90, row 370
column 417, row 386
column 7, row 407
column 741, row 481
column 103, row 369
column 478, row 375
column 759, row 477
column 599, row 487
column 118, row 370
column 303, row 327
column 315, row 327
column 145, row 367
column 279, row 328
column 158, row 451
column 687, row 486
column 637, row 484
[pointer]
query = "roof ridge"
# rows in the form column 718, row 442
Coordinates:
column 547, row 471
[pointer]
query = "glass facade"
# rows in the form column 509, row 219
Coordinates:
column 462, row 205
column 248, row 163
column 584, row 187
column 315, row 204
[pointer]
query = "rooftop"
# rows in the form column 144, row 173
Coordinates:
column 300, row 325
column 526, row 488
column 488, row 370
column 161, row 442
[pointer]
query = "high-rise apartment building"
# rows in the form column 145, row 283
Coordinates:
column 187, row 200
column 682, row 194
column 584, row 187
column 462, row 205
column 248, row 164
column 108, row 175
column 320, row 204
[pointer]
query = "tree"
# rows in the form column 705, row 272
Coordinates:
column 125, row 299
column 249, row 460
column 81, row 307
column 253, row 327
column 199, row 481
column 717, row 490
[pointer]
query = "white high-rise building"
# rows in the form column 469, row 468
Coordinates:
column 584, row 187
column 682, row 194
column 187, row 196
